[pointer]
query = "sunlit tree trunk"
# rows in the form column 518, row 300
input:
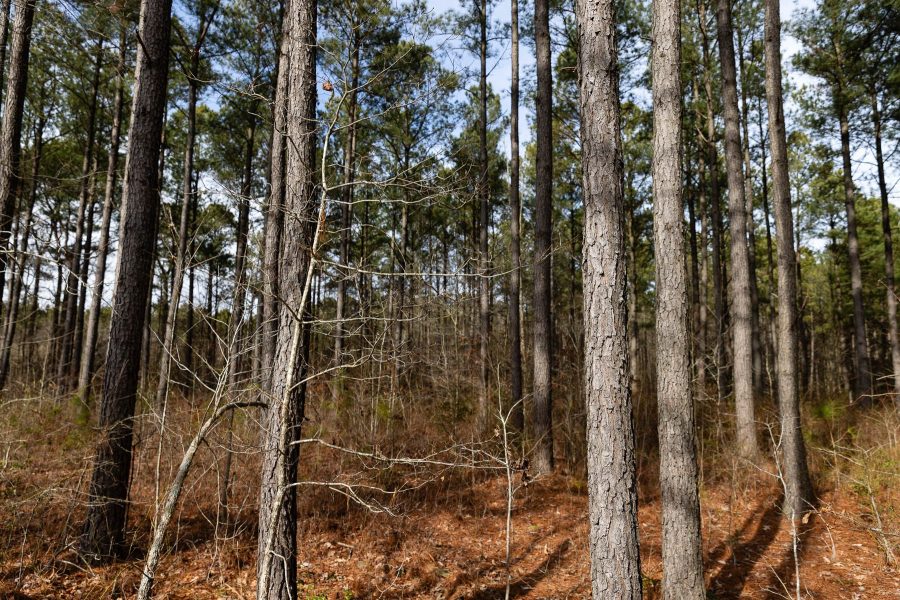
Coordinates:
column 682, row 560
column 742, row 329
column 798, row 488
column 612, row 485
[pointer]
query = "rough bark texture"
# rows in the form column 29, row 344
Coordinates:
column 11, row 132
column 742, row 328
column 277, row 570
column 798, row 489
column 612, row 489
column 88, row 360
column 515, row 209
column 682, row 560
column 105, row 521
column 888, row 249
column 275, row 208
column 542, row 402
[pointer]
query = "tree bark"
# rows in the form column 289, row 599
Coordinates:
column 612, row 486
column 863, row 379
column 105, row 521
column 515, row 209
column 888, row 248
column 277, row 556
column 88, row 358
column 542, row 408
column 742, row 329
column 11, row 131
column 682, row 559
column 798, row 488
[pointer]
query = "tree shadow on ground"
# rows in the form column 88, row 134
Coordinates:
column 729, row 582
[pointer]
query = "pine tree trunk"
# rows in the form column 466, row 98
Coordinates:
column 277, row 556
column 105, row 521
column 11, row 131
column 798, row 488
column 863, row 379
column 515, row 209
column 682, row 559
column 612, row 485
column 542, row 409
column 888, row 249
column 88, row 358
column 742, row 329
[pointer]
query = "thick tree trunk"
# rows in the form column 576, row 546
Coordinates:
column 274, row 226
column 515, row 209
column 863, row 379
column 88, row 357
column 888, row 249
column 11, row 131
column 682, row 559
column 798, row 488
column 277, row 556
column 742, row 328
column 612, row 486
column 105, row 521
column 542, row 402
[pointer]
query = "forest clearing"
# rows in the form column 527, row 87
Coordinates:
column 358, row 299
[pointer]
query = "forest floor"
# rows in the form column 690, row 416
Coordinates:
column 446, row 539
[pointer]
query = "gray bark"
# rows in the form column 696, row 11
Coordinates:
column 612, row 486
column 888, row 249
column 682, row 559
column 798, row 488
column 542, row 396
column 105, row 521
column 742, row 328
column 277, row 556
column 863, row 379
